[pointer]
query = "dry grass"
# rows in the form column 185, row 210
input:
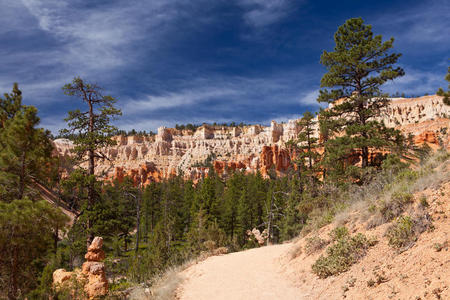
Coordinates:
column 387, row 196
column 295, row 251
column 166, row 285
column 314, row 244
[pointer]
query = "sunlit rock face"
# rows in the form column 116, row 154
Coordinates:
column 250, row 148
column 92, row 275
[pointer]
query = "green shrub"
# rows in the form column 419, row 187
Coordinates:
column 346, row 251
column 439, row 246
column 402, row 197
column 401, row 233
column 407, row 175
column 424, row 202
column 389, row 209
column 120, row 285
column 339, row 233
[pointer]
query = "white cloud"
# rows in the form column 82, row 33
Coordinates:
column 65, row 39
column 424, row 23
column 261, row 13
column 415, row 82
column 310, row 98
column 181, row 98
column 94, row 38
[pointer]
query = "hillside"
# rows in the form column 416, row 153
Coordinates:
column 248, row 148
column 421, row 270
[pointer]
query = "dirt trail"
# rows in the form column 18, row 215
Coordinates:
column 251, row 274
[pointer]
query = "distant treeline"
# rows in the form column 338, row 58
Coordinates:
column 403, row 95
column 72, row 136
column 194, row 127
column 189, row 126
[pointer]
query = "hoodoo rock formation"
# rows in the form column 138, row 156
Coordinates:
column 92, row 274
column 94, row 270
column 249, row 148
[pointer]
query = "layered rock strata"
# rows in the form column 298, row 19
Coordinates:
column 250, row 148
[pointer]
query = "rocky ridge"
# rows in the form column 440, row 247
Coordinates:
column 250, row 148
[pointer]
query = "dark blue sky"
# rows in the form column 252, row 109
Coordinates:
column 179, row 61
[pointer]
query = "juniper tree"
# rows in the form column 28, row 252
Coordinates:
column 357, row 68
column 92, row 131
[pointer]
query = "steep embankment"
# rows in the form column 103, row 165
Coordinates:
column 421, row 270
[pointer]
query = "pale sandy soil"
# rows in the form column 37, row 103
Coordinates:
column 272, row 272
column 251, row 274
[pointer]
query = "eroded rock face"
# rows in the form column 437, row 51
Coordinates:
column 94, row 270
column 61, row 276
column 250, row 148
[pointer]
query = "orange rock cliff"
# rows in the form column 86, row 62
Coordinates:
column 249, row 148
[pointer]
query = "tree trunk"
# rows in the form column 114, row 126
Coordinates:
column 55, row 239
column 12, row 291
column 309, row 150
column 22, row 176
column 365, row 157
column 138, row 216
column 91, row 172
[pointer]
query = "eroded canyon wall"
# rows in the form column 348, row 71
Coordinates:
column 249, row 148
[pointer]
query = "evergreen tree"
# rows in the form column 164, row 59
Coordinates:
column 116, row 213
column 26, row 237
column 10, row 105
column 25, row 151
column 446, row 94
column 307, row 144
column 292, row 221
column 151, row 207
column 359, row 65
column 93, row 133
column 231, row 200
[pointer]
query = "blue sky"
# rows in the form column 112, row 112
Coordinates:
column 194, row 61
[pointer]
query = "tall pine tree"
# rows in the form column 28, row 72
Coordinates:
column 25, row 151
column 92, row 131
column 357, row 68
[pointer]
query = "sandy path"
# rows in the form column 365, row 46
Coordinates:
column 251, row 274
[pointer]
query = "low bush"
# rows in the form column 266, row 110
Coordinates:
column 405, row 230
column 424, row 202
column 401, row 233
column 120, row 285
column 393, row 207
column 346, row 251
column 339, row 233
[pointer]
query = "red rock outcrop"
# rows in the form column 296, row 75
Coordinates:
column 429, row 137
column 274, row 156
column 94, row 270
column 224, row 166
column 92, row 274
